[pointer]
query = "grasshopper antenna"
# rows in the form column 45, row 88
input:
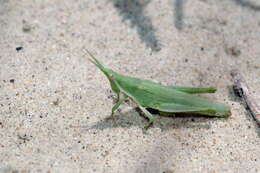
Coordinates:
column 93, row 60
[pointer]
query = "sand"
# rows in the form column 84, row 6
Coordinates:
column 54, row 104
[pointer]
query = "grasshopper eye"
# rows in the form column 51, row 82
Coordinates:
column 111, row 77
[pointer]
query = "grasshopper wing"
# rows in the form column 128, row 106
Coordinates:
column 186, row 89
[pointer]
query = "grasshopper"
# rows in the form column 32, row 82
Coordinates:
column 165, row 99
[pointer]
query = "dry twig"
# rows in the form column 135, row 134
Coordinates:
column 241, row 89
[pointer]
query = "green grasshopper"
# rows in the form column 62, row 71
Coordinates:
column 165, row 99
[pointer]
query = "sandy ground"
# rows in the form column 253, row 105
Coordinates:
column 54, row 103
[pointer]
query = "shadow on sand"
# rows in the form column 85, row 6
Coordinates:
column 247, row 4
column 133, row 11
column 178, row 14
column 133, row 118
column 178, row 6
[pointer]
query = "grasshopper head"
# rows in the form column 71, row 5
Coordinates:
column 109, row 73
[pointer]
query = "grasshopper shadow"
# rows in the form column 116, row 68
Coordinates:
column 133, row 117
column 125, row 120
column 133, row 11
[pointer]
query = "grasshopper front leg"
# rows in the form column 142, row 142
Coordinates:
column 120, row 100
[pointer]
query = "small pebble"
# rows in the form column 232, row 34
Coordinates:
column 19, row 48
